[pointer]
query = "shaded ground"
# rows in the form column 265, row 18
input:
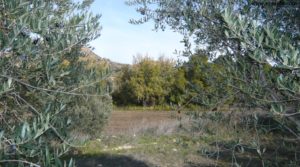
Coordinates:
column 109, row 161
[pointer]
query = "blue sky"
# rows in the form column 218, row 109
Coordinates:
column 120, row 40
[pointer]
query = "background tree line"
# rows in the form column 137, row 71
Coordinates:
column 150, row 82
column 147, row 82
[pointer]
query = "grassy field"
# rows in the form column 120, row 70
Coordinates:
column 169, row 139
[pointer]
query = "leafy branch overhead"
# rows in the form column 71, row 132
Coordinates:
column 256, row 41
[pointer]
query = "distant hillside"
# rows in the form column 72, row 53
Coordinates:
column 96, row 60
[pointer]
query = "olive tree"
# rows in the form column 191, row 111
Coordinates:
column 259, row 41
column 42, row 79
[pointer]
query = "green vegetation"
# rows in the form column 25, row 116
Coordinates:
column 147, row 82
column 207, row 84
column 248, row 36
column 54, row 93
column 163, row 84
column 249, row 58
column 46, row 90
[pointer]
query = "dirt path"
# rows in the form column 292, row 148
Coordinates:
column 122, row 122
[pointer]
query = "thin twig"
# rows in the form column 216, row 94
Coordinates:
column 288, row 115
column 54, row 91
column 90, row 84
column 20, row 161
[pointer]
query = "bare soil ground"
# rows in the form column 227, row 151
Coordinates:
column 133, row 122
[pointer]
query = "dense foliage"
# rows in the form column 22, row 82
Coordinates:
column 251, row 35
column 45, row 88
column 207, row 85
column 151, row 82
column 147, row 82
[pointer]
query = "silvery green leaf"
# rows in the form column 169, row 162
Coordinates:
column 226, row 33
column 71, row 163
column 69, row 121
column 9, row 82
column 261, row 37
column 258, row 151
column 1, row 133
column 23, row 132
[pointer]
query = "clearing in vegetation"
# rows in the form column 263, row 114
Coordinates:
column 233, row 138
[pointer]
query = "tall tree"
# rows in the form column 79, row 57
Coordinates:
column 41, row 77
